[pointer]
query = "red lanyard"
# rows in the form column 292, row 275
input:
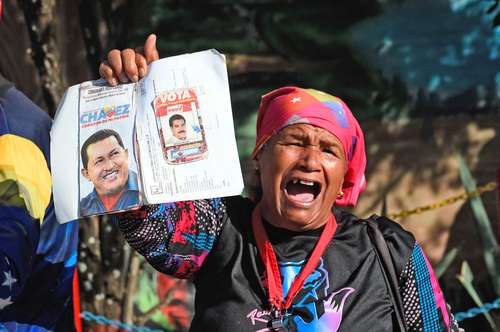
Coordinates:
column 268, row 257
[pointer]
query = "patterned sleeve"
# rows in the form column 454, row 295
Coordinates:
column 175, row 238
column 423, row 301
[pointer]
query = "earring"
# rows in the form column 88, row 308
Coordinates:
column 340, row 194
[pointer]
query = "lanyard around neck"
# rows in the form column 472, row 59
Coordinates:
column 273, row 276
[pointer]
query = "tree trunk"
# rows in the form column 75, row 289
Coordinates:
column 40, row 21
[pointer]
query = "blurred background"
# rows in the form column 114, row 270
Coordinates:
column 422, row 76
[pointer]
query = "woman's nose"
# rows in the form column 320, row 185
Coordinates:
column 311, row 158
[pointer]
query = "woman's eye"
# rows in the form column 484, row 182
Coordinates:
column 332, row 152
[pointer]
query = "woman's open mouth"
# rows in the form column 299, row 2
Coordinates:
column 302, row 191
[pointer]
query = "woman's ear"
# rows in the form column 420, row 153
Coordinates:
column 255, row 187
column 341, row 193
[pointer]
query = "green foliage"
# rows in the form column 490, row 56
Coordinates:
column 488, row 240
column 466, row 277
column 319, row 46
column 147, row 298
column 245, row 136
column 445, row 262
column 312, row 40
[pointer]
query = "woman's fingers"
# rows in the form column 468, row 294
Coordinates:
column 150, row 50
column 107, row 73
column 129, row 66
column 115, row 62
column 142, row 64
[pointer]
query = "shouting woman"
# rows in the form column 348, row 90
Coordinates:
column 289, row 259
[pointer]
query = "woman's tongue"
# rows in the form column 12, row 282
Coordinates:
column 300, row 193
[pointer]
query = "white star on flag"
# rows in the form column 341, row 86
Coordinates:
column 9, row 280
column 296, row 100
column 5, row 302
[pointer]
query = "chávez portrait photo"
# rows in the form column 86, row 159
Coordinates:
column 108, row 181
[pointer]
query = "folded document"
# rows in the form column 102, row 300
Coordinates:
column 168, row 137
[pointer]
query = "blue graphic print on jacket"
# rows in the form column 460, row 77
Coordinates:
column 316, row 309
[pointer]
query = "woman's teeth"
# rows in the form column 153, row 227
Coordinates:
column 304, row 182
column 303, row 191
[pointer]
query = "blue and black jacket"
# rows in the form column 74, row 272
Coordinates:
column 37, row 254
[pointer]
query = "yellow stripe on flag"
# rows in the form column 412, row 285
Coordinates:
column 22, row 161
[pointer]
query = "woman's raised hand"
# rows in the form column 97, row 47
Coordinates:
column 129, row 65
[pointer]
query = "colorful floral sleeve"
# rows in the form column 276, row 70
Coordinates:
column 175, row 238
column 423, row 301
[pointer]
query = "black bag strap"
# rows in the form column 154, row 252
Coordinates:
column 388, row 270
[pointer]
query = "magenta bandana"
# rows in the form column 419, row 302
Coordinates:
column 291, row 105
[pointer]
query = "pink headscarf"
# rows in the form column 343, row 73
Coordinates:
column 291, row 105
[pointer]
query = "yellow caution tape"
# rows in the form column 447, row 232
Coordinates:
column 490, row 186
